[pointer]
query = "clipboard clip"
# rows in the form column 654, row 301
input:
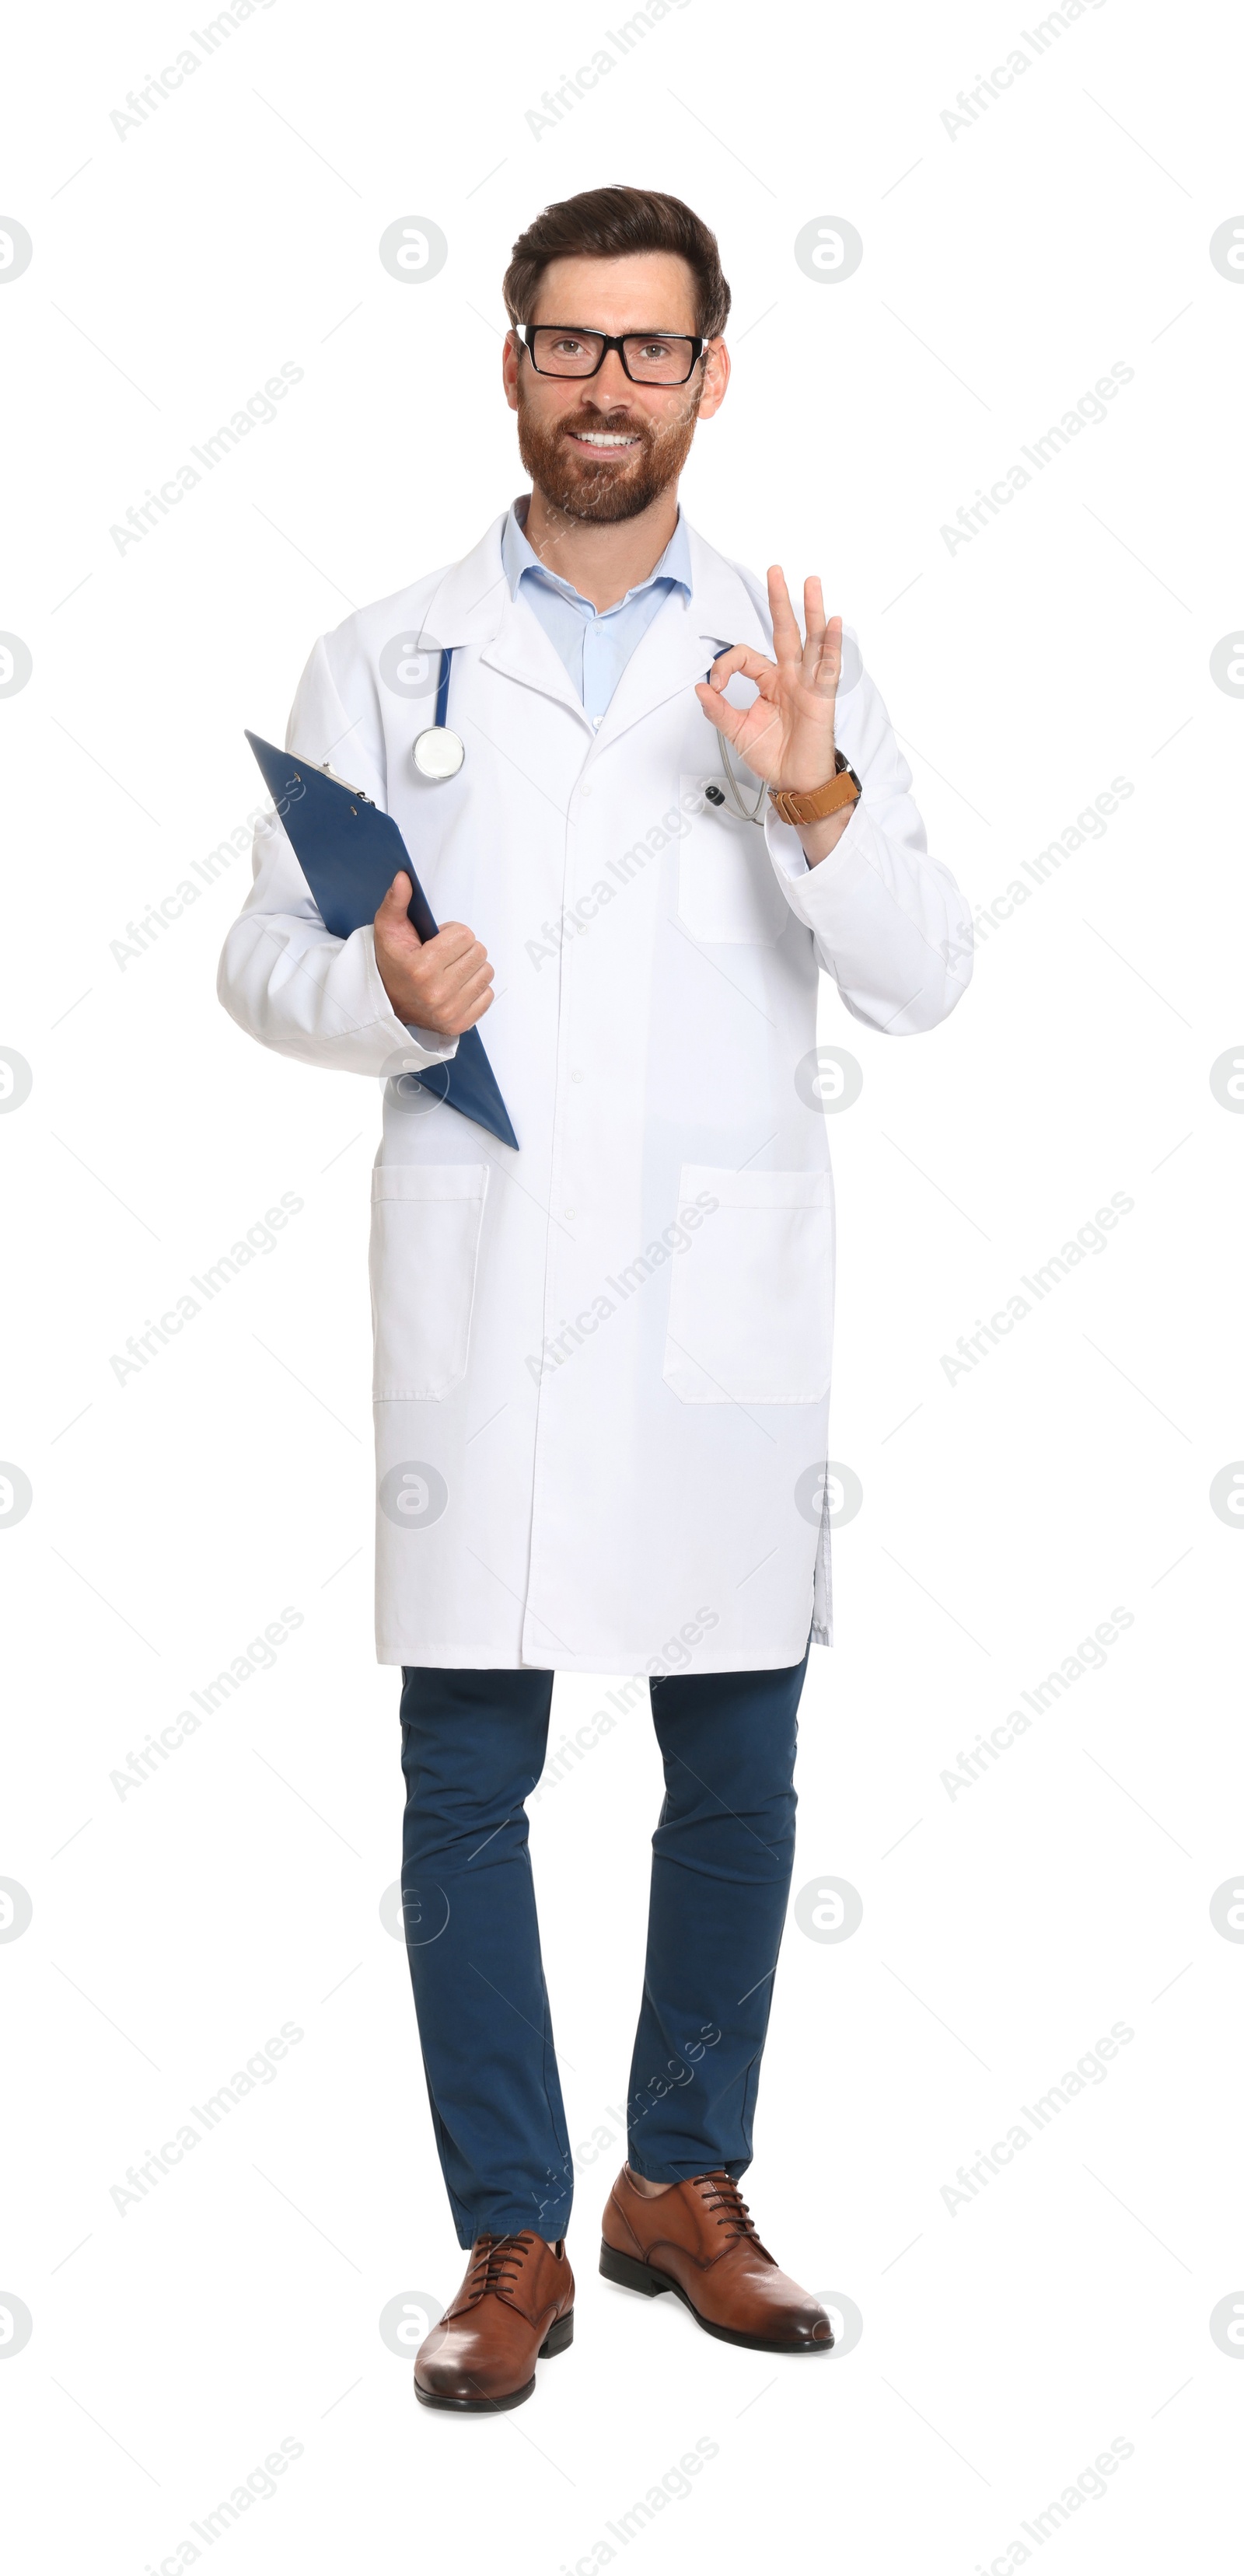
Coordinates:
column 339, row 781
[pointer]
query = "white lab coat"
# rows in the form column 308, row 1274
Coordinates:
column 602, row 1363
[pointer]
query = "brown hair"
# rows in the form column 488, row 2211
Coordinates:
column 609, row 223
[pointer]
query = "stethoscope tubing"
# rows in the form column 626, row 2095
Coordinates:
column 437, row 752
column 442, row 684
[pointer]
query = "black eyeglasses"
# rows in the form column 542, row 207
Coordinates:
column 648, row 357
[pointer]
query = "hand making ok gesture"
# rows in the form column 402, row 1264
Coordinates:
column 787, row 735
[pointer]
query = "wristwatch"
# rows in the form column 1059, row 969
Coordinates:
column 817, row 802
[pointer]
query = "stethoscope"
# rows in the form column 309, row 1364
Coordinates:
column 438, row 752
column 753, row 814
column 746, row 814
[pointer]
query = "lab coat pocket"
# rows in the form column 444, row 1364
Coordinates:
column 728, row 894
column 751, row 1309
column 425, row 1230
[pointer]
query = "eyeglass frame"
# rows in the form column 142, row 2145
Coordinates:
column 527, row 330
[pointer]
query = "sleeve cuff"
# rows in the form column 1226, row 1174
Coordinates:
column 844, row 869
column 430, row 1045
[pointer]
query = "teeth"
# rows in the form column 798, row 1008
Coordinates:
column 603, row 438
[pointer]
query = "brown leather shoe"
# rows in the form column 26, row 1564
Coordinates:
column 698, row 2240
column 515, row 2307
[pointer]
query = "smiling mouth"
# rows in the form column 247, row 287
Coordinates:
column 604, row 442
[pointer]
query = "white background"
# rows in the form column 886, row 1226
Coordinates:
column 1005, row 1513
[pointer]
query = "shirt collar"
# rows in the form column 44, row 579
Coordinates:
column 519, row 557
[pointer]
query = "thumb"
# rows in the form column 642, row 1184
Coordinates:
column 391, row 910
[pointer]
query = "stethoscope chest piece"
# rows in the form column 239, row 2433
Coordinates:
column 438, row 752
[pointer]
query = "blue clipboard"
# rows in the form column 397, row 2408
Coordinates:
column 349, row 853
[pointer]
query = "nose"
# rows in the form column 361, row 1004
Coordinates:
column 611, row 383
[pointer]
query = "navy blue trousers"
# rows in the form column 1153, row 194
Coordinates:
column 473, row 1747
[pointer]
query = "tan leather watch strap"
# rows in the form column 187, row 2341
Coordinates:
column 816, row 802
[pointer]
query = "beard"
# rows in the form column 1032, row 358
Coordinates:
column 610, row 490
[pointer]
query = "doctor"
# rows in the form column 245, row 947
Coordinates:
column 602, row 1360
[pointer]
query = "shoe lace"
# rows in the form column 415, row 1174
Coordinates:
column 497, row 2265
column 718, row 2192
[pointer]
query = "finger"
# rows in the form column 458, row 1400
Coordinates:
column 475, row 999
column 743, row 657
column 728, row 720
column 787, row 642
column 829, row 668
column 814, row 621
column 463, row 1009
column 451, row 942
column 470, row 970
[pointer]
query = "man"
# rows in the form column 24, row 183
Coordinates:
column 602, row 1359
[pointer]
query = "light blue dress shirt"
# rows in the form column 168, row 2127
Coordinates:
column 595, row 644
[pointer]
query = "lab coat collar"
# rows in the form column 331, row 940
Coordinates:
column 467, row 604
column 684, row 639
column 472, row 605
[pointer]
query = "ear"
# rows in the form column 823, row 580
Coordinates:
column 716, row 365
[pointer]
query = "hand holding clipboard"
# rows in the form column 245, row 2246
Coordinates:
column 349, row 853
